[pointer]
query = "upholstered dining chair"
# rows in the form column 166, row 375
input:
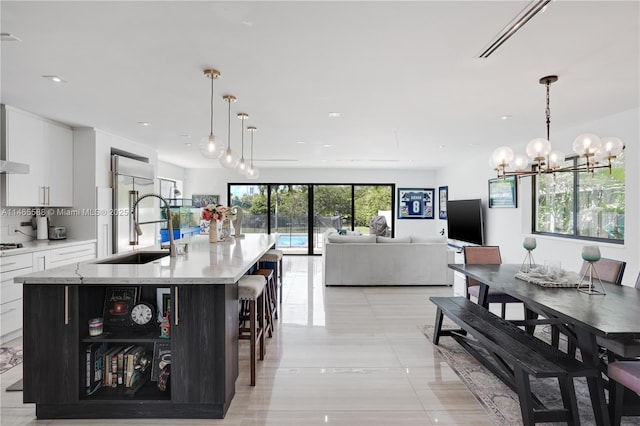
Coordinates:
column 624, row 376
column 607, row 269
column 486, row 255
column 612, row 271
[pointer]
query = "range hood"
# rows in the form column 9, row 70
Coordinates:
column 13, row 167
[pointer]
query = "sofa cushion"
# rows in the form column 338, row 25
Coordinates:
column 352, row 239
column 380, row 239
column 442, row 240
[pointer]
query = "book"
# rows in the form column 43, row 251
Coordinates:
column 106, row 365
column 118, row 302
column 95, row 366
column 161, row 357
column 133, row 359
column 120, row 371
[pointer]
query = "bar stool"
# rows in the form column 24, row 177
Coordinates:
column 251, row 293
column 275, row 256
column 270, row 300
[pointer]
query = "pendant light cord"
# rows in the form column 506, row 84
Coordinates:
column 211, row 127
column 242, row 137
column 229, row 126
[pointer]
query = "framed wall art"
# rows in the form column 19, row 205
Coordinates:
column 443, row 196
column 503, row 192
column 415, row 203
column 203, row 200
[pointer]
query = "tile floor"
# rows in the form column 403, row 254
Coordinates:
column 341, row 356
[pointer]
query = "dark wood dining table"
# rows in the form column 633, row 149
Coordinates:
column 614, row 315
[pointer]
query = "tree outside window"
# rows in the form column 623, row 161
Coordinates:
column 582, row 205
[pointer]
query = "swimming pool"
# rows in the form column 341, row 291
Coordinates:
column 293, row 240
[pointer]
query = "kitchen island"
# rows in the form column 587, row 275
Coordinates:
column 198, row 288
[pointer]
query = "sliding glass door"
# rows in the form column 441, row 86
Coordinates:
column 289, row 217
column 301, row 213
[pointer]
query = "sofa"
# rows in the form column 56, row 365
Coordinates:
column 358, row 260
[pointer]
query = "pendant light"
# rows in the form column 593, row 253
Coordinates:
column 228, row 159
column 242, row 164
column 252, row 170
column 209, row 147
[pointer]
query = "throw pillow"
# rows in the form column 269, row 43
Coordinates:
column 352, row 238
column 441, row 240
column 380, row 239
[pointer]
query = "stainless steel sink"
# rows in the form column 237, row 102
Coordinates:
column 137, row 258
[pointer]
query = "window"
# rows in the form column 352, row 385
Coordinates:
column 581, row 205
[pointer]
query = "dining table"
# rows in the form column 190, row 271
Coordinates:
column 612, row 315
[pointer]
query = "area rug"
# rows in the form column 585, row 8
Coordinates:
column 498, row 399
column 9, row 358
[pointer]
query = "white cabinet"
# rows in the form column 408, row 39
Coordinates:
column 48, row 149
column 58, row 164
column 47, row 259
column 11, row 295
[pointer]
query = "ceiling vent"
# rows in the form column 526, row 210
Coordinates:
column 517, row 23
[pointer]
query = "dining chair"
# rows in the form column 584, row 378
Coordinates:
column 607, row 269
column 612, row 271
column 624, row 376
column 486, row 255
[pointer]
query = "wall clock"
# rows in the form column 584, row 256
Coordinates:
column 142, row 313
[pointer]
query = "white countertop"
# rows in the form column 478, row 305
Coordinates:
column 204, row 263
column 40, row 245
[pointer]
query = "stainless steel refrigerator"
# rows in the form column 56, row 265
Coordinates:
column 131, row 180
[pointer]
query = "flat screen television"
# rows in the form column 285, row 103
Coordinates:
column 464, row 221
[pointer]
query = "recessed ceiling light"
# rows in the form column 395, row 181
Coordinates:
column 505, row 117
column 144, row 123
column 187, row 144
column 54, row 78
column 442, row 146
column 301, row 142
column 334, row 114
column 8, row 37
column 327, row 145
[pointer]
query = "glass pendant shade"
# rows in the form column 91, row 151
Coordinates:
column 586, row 144
column 501, row 157
column 208, row 145
column 538, row 149
column 520, row 162
column 611, row 147
column 242, row 163
column 228, row 160
column 252, row 172
column 556, row 158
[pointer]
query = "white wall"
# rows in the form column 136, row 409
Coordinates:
column 508, row 227
column 214, row 181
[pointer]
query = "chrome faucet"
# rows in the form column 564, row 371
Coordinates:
column 135, row 231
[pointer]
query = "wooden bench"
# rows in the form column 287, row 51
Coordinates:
column 513, row 356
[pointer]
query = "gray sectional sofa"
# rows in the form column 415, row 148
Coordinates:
column 370, row 260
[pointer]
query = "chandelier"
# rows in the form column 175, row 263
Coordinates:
column 594, row 152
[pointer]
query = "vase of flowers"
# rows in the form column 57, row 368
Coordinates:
column 215, row 213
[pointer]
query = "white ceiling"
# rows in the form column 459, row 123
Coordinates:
column 405, row 76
